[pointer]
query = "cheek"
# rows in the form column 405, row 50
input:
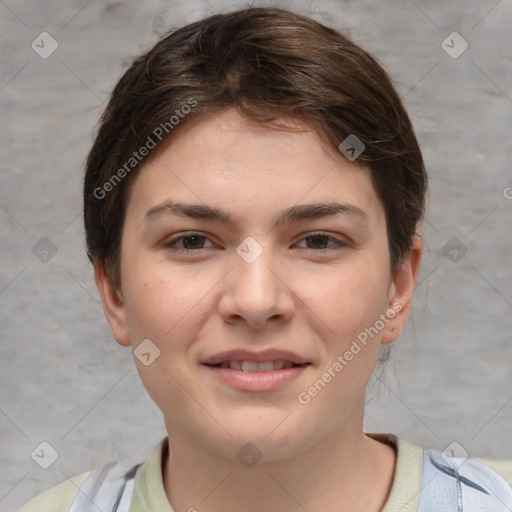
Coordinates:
column 162, row 299
column 349, row 303
column 350, row 298
column 160, row 303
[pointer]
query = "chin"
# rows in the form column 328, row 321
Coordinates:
column 270, row 438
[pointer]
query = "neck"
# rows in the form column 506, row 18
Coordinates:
column 334, row 475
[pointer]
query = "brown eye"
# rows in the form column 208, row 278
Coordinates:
column 318, row 241
column 187, row 243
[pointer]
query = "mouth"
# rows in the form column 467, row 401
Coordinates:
column 250, row 371
column 258, row 366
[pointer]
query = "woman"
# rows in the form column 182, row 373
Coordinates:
column 251, row 203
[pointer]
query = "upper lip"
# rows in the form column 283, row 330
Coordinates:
column 246, row 355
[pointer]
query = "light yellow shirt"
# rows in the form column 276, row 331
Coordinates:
column 149, row 493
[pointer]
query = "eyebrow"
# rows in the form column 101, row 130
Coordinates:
column 293, row 214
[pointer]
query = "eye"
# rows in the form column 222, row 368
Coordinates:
column 192, row 242
column 318, row 241
column 195, row 242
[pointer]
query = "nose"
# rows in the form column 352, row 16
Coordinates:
column 256, row 290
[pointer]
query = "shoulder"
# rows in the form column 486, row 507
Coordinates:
column 109, row 487
column 452, row 482
column 104, row 488
column 427, row 480
column 501, row 466
column 56, row 499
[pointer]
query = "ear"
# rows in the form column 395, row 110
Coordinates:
column 113, row 306
column 401, row 291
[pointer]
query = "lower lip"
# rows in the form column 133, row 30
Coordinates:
column 257, row 381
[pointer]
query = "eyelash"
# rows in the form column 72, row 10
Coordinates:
column 171, row 244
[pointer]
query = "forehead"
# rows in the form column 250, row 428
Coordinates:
column 226, row 160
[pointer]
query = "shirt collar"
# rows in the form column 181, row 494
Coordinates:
column 149, row 492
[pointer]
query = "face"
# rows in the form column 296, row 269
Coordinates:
column 254, row 297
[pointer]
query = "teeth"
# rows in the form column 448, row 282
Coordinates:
column 254, row 366
column 267, row 366
column 249, row 366
column 235, row 365
column 278, row 365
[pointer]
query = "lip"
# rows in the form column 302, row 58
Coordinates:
column 257, row 381
column 247, row 355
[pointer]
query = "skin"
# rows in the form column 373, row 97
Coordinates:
column 294, row 296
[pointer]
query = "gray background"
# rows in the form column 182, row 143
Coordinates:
column 65, row 381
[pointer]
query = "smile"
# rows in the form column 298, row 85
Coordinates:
column 256, row 376
column 255, row 366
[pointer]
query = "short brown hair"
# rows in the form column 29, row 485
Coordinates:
column 270, row 64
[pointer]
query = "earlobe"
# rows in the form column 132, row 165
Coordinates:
column 113, row 305
column 402, row 291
